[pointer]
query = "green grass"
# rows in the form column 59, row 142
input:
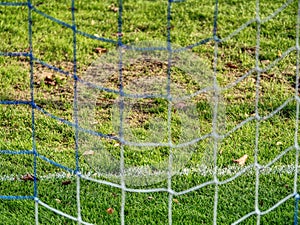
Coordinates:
column 192, row 21
column 235, row 200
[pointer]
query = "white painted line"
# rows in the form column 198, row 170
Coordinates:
column 201, row 170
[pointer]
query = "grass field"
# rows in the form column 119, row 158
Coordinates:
column 143, row 20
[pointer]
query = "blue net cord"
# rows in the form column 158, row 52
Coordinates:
column 35, row 153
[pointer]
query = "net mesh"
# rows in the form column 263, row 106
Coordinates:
column 118, row 75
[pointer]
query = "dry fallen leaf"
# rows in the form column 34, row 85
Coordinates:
column 100, row 50
column 116, row 144
column 113, row 8
column 88, row 152
column 231, row 65
column 265, row 62
column 110, row 210
column 28, row 177
column 49, row 80
column 117, row 34
column 66, row 182
column 176, row 200
column 150, row 198
column 249, row 50
column 241, row 161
